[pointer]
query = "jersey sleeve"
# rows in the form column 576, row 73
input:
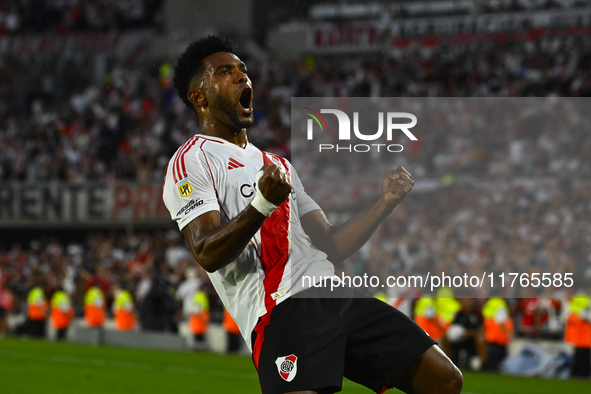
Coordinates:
column 193, row 195
column 305, row 203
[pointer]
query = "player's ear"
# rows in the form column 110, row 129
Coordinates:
column 197, row 97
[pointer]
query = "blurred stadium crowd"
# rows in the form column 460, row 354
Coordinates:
column 58, row 123
column 39, row 16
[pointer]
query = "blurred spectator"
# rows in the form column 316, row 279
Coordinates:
column 188, row 288
column 467, row 335
column 5, row 307
column 195, row 305
column 158, row 309
column 530, row 319
column 41, row 16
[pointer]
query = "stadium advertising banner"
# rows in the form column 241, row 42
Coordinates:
column 122, row 44
column 499, row 204
column 357, row 37
column 429, row 32
column 55, row 203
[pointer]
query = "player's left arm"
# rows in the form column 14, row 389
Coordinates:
column 341, row 241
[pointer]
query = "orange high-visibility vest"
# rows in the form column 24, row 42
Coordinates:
column 61, row 310
column 229, row 323
column 426, row 317
column 93, row 316
column 94, row 307
column 431, row 327
column 199, row 322
column 498, row 333
column 60, row 319
column 578, row 332
column 36, row 304
column 124, row 320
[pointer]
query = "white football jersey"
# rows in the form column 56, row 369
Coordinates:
column 211, row 174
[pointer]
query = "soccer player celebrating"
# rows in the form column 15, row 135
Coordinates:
column 251, row 225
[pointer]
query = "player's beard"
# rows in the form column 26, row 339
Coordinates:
column 229, row 108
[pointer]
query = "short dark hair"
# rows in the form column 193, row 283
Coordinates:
column 190, row 63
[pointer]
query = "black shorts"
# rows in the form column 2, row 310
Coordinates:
column 311, row 343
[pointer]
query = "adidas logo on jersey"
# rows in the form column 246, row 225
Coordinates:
column 233, row 163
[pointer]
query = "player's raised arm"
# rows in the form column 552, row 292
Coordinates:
column 341, row 241
column 214, row 245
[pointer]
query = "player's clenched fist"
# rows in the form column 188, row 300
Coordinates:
column 274, row 184
column 397, row 184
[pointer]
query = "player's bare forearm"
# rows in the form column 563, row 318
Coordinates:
column 213, row 245
column 341, row 241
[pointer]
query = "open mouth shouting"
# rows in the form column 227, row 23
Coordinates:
column 245, row 101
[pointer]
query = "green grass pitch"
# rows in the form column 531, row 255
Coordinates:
column 62, row 368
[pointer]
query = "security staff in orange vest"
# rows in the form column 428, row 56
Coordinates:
column 199, row 316
column 123, row 310
column 61, row 313
column 36, row 312
column 94, row 307
column 425, row 315
column 232, row 333
column 578, row 334
column 498, row 331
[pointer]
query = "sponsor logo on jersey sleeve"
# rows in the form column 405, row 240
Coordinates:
column 190, row 206
column 287, row 366
column 185, row 188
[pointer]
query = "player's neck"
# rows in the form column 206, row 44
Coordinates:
column 236, row 137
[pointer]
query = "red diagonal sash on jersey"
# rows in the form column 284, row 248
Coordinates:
column 274, row 256
column 274, row 244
